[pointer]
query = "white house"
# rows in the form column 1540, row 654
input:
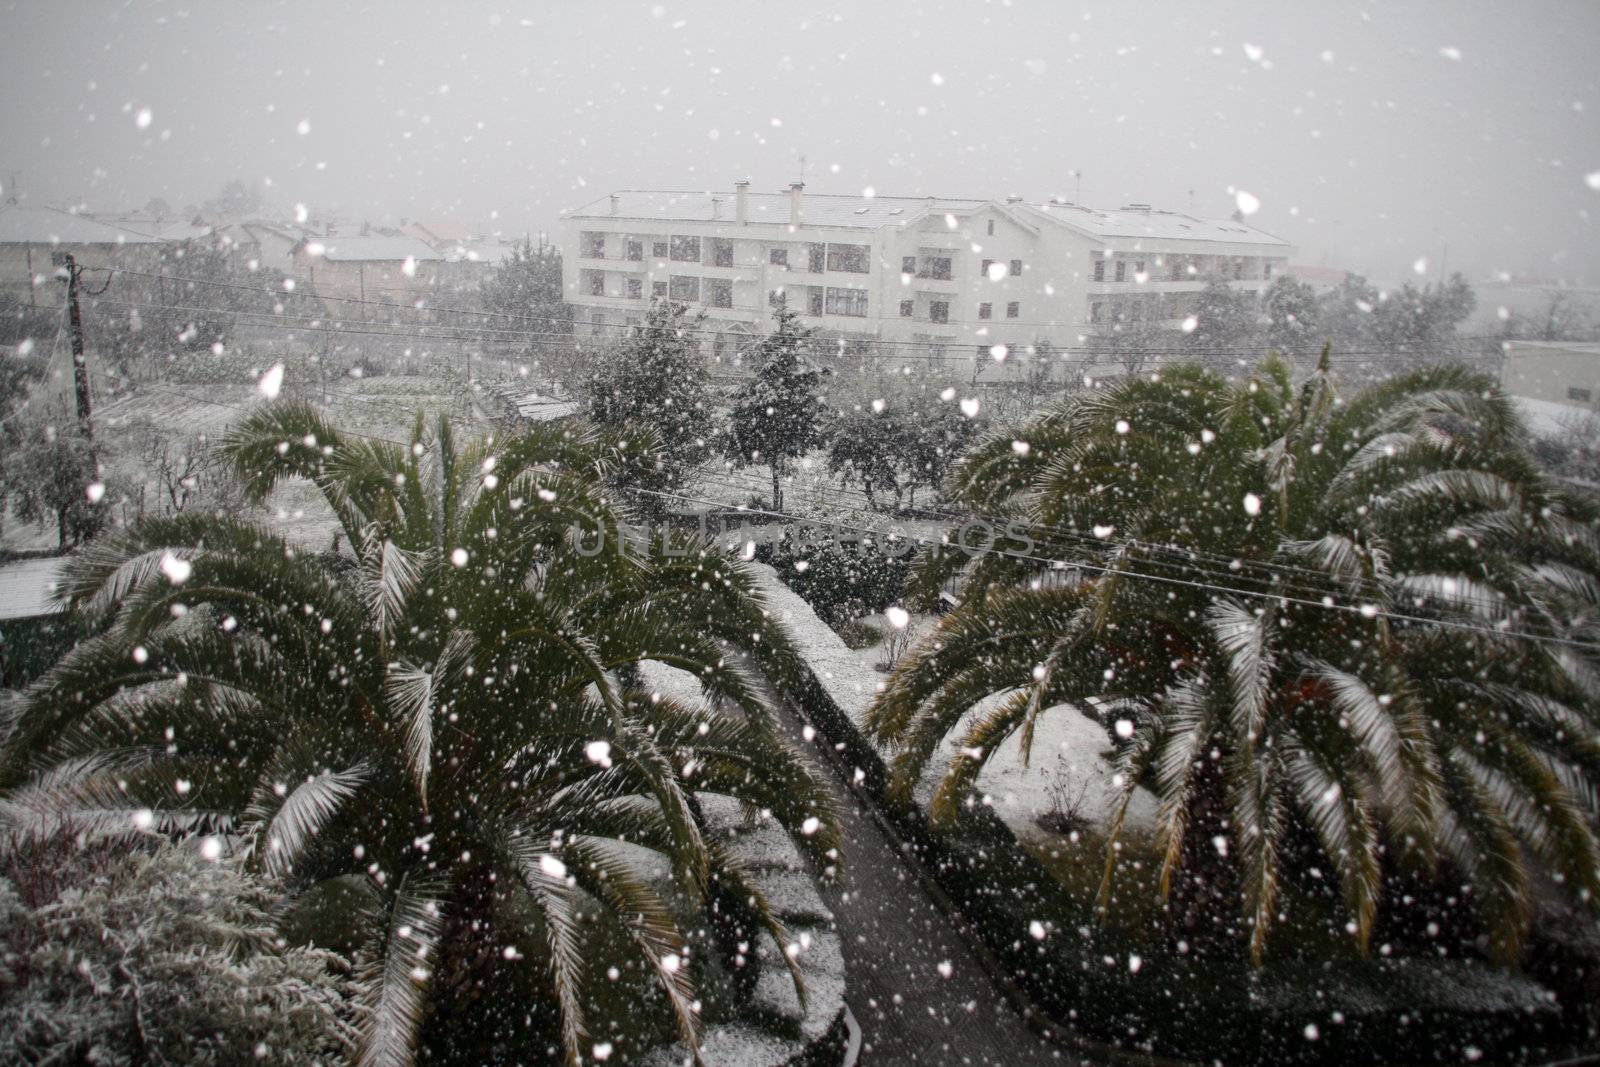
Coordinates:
column 1556, row 384
column 930, row 274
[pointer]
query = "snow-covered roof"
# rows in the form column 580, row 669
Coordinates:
column 818, row 209
column 21, row 224
column 542, row 407
column 1149, row 223
column 369, row 249
column 437, row 232
column 1586, row 348
column 27, row 589
column 1547, row 418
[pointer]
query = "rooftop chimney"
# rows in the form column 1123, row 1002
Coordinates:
column 796, row 202
column 615, row 202
column 741, row 201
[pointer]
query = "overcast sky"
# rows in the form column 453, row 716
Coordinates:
column 1372, row 134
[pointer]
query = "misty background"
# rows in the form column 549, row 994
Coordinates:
column 1374, row 135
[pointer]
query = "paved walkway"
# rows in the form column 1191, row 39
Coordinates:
column 916, row 987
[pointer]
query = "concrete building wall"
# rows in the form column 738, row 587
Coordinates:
column 1553, row 372
column 613, row 266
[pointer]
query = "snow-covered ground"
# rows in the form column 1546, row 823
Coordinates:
column 1067, row 745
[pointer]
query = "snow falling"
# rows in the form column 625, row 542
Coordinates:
column 1035, row 533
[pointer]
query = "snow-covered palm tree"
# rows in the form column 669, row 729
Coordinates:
column 1356, row 634
column 442, row 727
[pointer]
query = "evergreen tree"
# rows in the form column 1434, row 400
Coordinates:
column 46, row 471
column 655, row 382
column 524, row 291
column 1225, row 321
column 1294, row 321
column 778, row 416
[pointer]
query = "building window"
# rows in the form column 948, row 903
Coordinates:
column 939, row 311
column 1016, row 268
column 852, row 302
column 1580, row 395
column 635, row 250
column 778, row 257
column 908, row 308
column 719, row 292
column 985, row 311
column 1266, row 269
column 658, row 289
column 721, row 252
column 983, row 350
column 991, row 227
column 935, row 267
column 1099, row 270
column 685, row 288
column 597, row 282
column 1095, row 311
column 592, row 245
column 1238, row 269
column 1138, row 268
column 984, row 270
column 1176, row 271
column 635, row 288
column 815, row 303
column 685, row 249
column 852, row 259
column 816, row 258
column 775, row 297
column 1122, row 271
column 908, row 264
column 1013, row 309
column 658, row 249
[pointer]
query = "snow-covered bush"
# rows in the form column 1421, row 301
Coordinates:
column 153, row 955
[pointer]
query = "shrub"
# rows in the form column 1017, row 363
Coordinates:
column 156, row 955
column 840, row 582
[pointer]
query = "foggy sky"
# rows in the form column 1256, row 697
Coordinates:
column 1373, row 135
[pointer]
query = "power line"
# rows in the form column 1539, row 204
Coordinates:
column 1367, row 611
column 1277, row 576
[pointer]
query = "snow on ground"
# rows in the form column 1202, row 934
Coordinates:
column 776, row 866
column 1067, row 745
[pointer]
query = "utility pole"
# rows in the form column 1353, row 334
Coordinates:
column 80, row 363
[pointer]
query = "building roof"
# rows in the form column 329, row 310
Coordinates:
column 21, row 224
column 1547, row 418
column 437, row 232
column 819, row 209
column 368, row 249
column 1587, row 348
column 1142, row 222
column 874, row 212
column 27, row 589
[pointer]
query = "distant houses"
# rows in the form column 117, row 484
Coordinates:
column 366, row 268
column 31, row 236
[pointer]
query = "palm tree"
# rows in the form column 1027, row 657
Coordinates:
column 443, row 724
column 1351, row 634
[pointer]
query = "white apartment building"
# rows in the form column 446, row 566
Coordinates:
column 945, row 273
